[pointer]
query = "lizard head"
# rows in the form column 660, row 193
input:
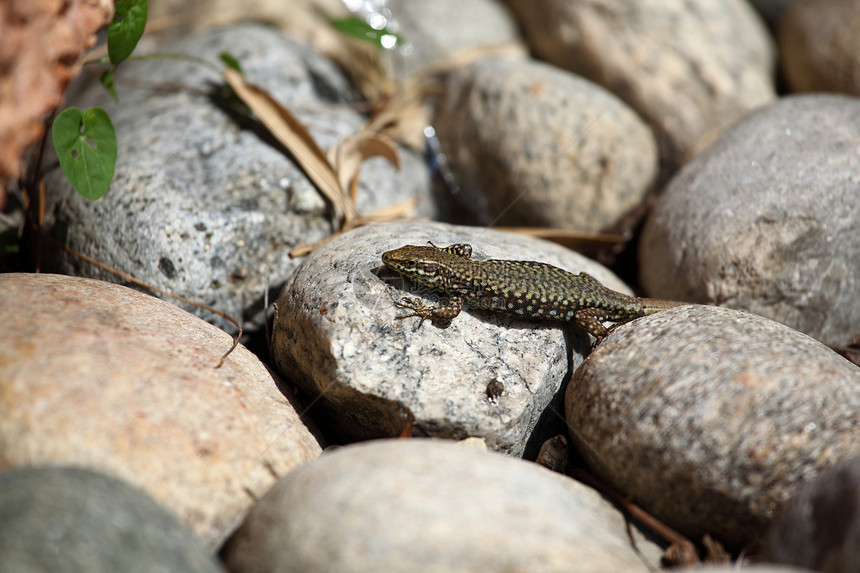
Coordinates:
column 423, row 265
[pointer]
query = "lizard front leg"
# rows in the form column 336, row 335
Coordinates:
column 438, row 312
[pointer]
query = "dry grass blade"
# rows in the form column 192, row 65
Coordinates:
column 682, row 549
column 332, row 174
column 295, row 137
column 153, row 288
column 395, row 212
column 571, row 239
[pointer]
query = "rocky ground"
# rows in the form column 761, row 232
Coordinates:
column 718, row 141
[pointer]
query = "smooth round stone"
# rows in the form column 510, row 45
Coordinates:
column 428, row 505
column 819, row 46
column 76, row 520
column 534, row 145
column 432, row 34
column 99, row 375
column 712, row 418
column 371, row 375
column 203, row 203
column 820, row 528
column 767, row 219
column 689, row 68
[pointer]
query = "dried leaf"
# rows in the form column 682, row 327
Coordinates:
column 295, row 137
column 352, row 151
column 331, row 173
column 404, row 116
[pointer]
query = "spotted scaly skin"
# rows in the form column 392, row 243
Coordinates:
column 528, row 289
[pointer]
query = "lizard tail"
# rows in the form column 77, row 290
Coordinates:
column 654, row 305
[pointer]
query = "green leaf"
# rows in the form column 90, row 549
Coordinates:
column 361, row 30
column 86, row 147
column 127, row 27
column 107, row 80
column 231, row 62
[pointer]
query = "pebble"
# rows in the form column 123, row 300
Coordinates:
column 716, row 421
column 428, row 505
column 435, row 31
column 203, row 204
column 689, row 68
column 820, row 528
column 725, row 420
column 819, row 46
column 767, row 220
column 370, row 375
column 99, row 375
column 534, row 145
column 76, row 520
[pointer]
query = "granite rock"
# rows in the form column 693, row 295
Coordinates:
column 767, row 220
column 79, row 521
column 335, row 336
column 204, row 203
column 820, row 527
column 534, row 145
column 427, row 505
column 819, row 46
column 689, row 68
column 712, row 418
column 98, row 375
column 436, row 30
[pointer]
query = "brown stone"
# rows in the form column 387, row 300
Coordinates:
column 819, row 46
column 98, row 375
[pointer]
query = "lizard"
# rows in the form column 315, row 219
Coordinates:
column 525, row 289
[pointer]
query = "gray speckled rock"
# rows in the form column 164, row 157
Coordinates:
column 437, row 29
column 535, row 145
column 76, row 520
column 426, row 505
column 821, row 527
column 819, row 46
column 336, row 337
column 711, row 418
column 202, row 205
column 98, row 375
column 767, row 219
column 690, row 68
